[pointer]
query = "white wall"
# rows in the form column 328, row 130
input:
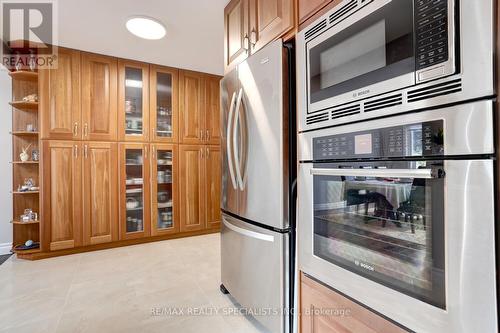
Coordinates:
column 5, row 166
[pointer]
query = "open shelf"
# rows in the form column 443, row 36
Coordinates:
column 27, row 106
column 30, row 251
column 24, row 133
column 24, row 75
column 25, row 193
column 25, row 223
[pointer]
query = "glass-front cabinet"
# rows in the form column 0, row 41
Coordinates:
column 164, row 103
column 133, row 101
column 135, row 191
column 164, row 189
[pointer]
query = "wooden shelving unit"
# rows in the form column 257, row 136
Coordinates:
column 24, row 83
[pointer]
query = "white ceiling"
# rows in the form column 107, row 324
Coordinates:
column 194, row 40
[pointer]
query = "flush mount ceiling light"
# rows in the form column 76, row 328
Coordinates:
column 146, row 27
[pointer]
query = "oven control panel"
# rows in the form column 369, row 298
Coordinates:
column 415, row 140
column 431, row 19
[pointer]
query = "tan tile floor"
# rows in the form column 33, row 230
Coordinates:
column 117, row 290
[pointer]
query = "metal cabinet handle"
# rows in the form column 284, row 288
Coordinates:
column 253, row 37
column 208, row 152
column 386, row 173
column 208, row 135
column 246, row 41
column 153, row 132
column 202, row 154
column 153, row 152
column 75, row 129
column 75, row 151
column 86, row 151
column 85, row 130
column 145, row 152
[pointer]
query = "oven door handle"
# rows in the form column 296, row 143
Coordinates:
column 382, row 173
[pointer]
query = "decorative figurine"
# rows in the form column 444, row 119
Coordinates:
column 24, row 155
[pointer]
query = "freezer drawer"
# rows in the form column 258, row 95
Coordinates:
column 254, row 266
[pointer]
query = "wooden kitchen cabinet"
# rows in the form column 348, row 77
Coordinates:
column 236, row 38
column 199, row 108
column 316, row 301
column 164, row 104
column 269, row 19
column 133, row 101
column 213, row 176
column 99, row 97
column 164, row 191
column 100, row 193
column 135, row 185
column 200, row 179
column 60, row 98
column 191, row 170
column 308, row 8
column 191, row 107
column 62, row 194
column 212, row 109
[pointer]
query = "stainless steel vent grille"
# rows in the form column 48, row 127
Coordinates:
column 316, row 29
column 384, row 102
column 436, row 90
column 340, row 14
column 346, row 111
column 317, row 118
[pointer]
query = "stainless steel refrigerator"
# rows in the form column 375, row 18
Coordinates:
column 258, row 185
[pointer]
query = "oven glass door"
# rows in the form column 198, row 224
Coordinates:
column 384, row 222
column 376, row 48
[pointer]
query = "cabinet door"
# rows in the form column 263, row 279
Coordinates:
column 133, row 101
column 134, row 191
column 212, row 110
column 164, row 196
column 269, row 19
column 99, row 97
column 308, row 8
column 236, row 42
column 213, row 179
column 62, row 188
column 100, row 194
column 192, row 201
column 164, row 104
column 315, row 298
column 60, row 98
column 192, row 128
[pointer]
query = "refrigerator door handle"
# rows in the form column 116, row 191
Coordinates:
column 228, row 136
column 247, row 233
column 236, row 147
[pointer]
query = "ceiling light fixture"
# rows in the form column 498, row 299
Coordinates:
column 146, row 27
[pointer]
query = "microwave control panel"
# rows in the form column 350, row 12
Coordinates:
column 415, row 140
column 431, row 20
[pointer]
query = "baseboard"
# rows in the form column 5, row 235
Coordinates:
column 5, row 248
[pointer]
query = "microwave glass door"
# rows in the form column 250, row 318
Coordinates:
column 376, row 48
column 386, row 228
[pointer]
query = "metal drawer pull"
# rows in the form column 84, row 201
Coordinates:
column 386, row 173
column 86, row 151
column 248, row 233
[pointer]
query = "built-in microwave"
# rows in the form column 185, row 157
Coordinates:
column 398, row 214
column 370, row 58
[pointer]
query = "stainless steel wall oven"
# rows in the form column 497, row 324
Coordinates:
column 399, row 214
column 370, row 58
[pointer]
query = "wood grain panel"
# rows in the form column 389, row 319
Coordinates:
column 213, row 178
column 62, row 194
column 307, row 8
column 99, row 97
column 212, row 109
column 236, row 17
column 191, row 187
column 100, row 179
column 325, row 311
column 60, row 98
column 191, row 107
column 317, row 13
column 269, row 19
